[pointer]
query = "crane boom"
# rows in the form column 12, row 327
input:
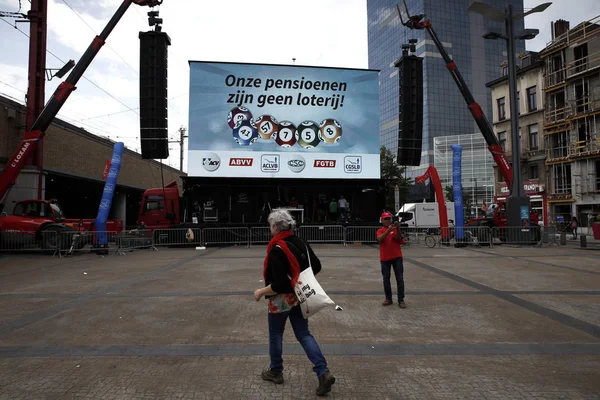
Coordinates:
column 418, row 22
column 37, row 131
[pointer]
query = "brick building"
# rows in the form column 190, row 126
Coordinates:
column 74, row 161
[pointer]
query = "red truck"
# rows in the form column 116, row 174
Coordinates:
column 42, row 222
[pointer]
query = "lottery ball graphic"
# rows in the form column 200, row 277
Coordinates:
column 267, row 126
column 286, row 134
column 245, row 133
column 330, row 131
column 307, row 134
column 237, row 115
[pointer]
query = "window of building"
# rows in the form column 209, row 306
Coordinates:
column 502, row 139
column 501, row 109
column 531, row 99
column 504, row 70
column 581, row 58
column 533, row 172
column 533, row 137
column 561, row 178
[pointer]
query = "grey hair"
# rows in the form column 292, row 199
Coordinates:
column 282, row 219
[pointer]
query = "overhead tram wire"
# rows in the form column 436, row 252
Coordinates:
column 83, row 76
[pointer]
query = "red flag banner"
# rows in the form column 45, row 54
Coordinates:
column 106, row 170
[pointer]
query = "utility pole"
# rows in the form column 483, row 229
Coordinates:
column 182, row 137
column 36, row 94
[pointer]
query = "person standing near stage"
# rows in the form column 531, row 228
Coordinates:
column 342, row 207
column 390, row 256
column 333, row 210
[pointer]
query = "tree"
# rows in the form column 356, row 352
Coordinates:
column 392, row 174
column 449, row 193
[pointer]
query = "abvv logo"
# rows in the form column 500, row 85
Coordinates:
column 353, row 164
column 269, row 163
column 240, row 162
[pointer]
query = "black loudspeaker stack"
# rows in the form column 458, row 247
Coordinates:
column 153, row 95
column 410, row 135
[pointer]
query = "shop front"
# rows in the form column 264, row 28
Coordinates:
column 537, row 197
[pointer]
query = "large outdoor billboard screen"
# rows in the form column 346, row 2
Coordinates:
column 257, row 120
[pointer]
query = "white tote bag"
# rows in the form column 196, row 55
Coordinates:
column 311, row 296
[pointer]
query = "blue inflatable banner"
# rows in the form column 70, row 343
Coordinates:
column 459, row 213
column 107, row 195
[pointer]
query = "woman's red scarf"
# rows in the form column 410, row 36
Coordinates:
column 294, row 265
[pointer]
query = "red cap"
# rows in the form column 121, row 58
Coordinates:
column 386, row 215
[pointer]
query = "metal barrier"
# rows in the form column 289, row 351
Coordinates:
column 322, row 233
column 518, row 235
column 28, row 241
column 260, row 235
column 176, row 237
column 226, row 236
column 549, row 236
column 360, row 234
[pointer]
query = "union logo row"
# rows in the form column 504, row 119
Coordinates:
column 309, row 134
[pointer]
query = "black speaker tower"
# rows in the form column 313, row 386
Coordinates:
column 410, row 113
column 153, row 91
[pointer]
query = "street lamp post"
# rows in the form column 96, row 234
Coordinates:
column 517, row 204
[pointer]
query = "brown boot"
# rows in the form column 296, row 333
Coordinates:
column 402, row 304
column 273, row 376
column 325, row 382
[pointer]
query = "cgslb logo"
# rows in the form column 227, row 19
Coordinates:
column 353, row 164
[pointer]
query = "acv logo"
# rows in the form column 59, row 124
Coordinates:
column 211, row 162
column 297, row 163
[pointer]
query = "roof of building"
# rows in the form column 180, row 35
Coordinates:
column 535, row 64
column 80, row 131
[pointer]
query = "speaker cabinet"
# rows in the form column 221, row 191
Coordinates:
column 410, row 132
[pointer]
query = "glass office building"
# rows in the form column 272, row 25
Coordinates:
column 445, row 111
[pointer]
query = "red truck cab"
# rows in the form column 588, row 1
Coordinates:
column 160, row 207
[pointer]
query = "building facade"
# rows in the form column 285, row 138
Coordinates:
column 74, row 162
column 572, row 120
column 476, row 169
column 444, row 112
column 530, row 110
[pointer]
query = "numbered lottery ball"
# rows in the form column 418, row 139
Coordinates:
column 237, row 115
column 330, row 131
column 307, row 135
column 267, row 126
column 245, row 133
column 286, row 135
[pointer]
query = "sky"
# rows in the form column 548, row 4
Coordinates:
column 329, row 33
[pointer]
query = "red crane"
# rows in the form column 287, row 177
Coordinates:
column 418, row 22
column 36, row 132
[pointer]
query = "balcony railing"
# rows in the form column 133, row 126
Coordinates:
column 582, row 31
column 555, row 115
column 584, row 105
column 584, row 147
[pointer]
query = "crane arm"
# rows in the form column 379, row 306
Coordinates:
column 418, row 22
column 37, row 131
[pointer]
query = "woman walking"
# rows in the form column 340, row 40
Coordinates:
column 287, row 256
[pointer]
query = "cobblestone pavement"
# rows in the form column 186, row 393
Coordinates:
column 481, row 323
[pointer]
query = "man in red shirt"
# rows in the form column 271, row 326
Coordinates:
column 390, row 256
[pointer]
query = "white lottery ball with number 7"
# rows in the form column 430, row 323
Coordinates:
column 307, row 134
column 330, row 131
column 245, row 133
column 286, row 135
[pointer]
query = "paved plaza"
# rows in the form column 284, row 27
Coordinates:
column 481, row 323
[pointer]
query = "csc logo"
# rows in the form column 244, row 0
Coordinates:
column 297, row 163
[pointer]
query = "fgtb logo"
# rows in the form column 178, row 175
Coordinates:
column 211, row 162
column 269, row 163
